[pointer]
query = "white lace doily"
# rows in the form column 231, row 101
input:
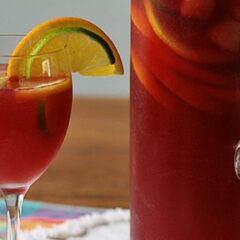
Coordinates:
column 108, row 225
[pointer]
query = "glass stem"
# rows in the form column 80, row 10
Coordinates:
column 14, row 205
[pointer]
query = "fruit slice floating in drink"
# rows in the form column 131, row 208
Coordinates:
column 206, row 87
column 207, row 43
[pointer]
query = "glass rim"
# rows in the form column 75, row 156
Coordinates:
column 24, row 56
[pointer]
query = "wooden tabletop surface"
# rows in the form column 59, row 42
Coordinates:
column 92, row 167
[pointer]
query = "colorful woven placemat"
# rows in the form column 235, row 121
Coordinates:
column 44, row 214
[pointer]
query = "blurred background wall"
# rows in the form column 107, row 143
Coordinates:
column 20, row 16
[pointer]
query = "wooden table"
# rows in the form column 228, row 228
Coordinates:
column 92, row 167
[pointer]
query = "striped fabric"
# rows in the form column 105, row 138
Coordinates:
column 44, row 214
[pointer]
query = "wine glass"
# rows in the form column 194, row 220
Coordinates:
column 35, row 109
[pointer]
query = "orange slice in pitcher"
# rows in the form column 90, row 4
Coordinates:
column 190, row 42
column 91, row 51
